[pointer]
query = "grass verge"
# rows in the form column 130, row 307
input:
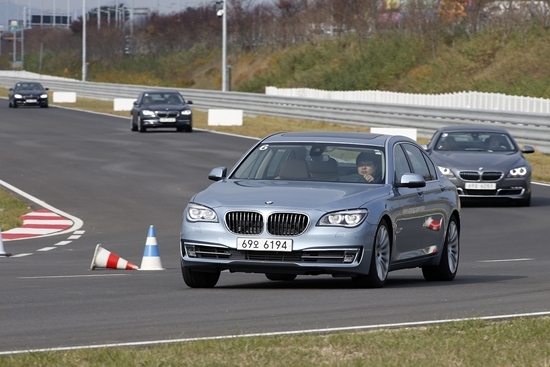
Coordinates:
column 474, row 343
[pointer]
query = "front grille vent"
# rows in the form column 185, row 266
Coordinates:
column 469, row 175
column 245, row 223
column 491, row 176
column 287, row 224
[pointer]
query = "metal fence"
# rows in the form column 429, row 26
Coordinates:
column 528, row 128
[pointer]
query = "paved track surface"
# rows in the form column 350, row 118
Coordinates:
column 119, row 183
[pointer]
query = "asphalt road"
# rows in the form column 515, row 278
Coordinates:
column 120, row 182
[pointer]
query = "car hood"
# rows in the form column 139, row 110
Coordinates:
column 475, row 160
column 288, row 194
column 27, row 92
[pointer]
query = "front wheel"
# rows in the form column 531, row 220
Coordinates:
column 379, row 262
column 448, row 265
column 141, row 128
column 199, row 279
column 133, row 126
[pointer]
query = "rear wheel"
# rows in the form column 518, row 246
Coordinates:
column 283, row 277
column 448, row 265
column 199, row 279
column 379, row 262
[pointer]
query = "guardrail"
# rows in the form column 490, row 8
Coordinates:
column 528, row 128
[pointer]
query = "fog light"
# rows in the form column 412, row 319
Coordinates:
column 190, row 251
column 349, row 258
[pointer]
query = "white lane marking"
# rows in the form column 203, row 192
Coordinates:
column 63, row 243
column 22, row 255
column 504, row 260
column 46, row 249
column 296, row 332
column 74, row 237
column 79, row 232
column 75, row 276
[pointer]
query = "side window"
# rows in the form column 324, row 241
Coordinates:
column 418, row 162
column 400, row 162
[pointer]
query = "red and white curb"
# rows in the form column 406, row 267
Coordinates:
column 38, row 223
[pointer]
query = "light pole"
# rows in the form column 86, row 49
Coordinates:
column 223, row 13
column 83, row 40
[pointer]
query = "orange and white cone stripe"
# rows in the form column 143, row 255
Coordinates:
column 106, row 259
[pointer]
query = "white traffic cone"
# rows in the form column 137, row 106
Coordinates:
column 2, row 252
column 106, row 259
column 151, row 257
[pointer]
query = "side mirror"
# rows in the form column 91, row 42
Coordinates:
column 189, row 102
column 217, row 174
column 411, row 180
column 46, row 88
column 527, row 149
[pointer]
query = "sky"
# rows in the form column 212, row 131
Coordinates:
column 13, row 9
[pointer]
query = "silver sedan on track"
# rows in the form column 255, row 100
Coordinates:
column 350, row 205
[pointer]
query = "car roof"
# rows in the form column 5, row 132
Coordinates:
column 331, row 137
column 473, row 128
column 160, row 91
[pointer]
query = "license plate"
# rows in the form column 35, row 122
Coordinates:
column 481, row 185
column 264, row 244
column 167, row 119
column 31, row 100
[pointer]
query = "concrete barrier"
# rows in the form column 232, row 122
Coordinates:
column 123, row 104
column 225, row 117
column 64, row 97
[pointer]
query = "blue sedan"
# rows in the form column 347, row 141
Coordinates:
column 350, row 205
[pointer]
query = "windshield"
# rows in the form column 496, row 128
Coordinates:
column 313, row 162
column 475, row 141
column 162, row 98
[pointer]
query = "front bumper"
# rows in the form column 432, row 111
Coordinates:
column 30, row 101
column 335, row 261
column 510, row 188
column 158, row 123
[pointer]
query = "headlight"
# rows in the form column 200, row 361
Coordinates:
column 517, row 172
column 148, row 113
column 44, row 95
column 446, row 172
column 17, row 96
column 348, row 218
column 186, row 112
column 199, row 213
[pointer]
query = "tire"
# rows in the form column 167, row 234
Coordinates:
column 198, row 279
column 189, row 129
column 448, row 264
column 141, row 128
column 10, row 105
column 283, row 277
column 133, row 126
column 44, row 106
column 379, row 262
column 14, row 104
column 525, row 202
